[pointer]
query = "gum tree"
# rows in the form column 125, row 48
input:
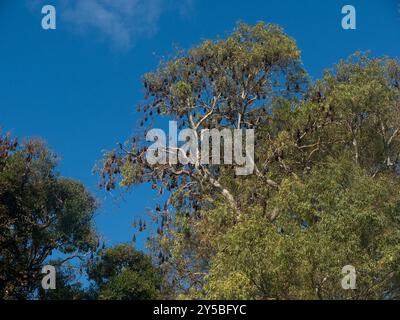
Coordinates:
column 323, row 194
column 230, row 83
column 335, row 156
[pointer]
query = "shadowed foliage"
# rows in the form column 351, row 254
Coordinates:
column 40, row 213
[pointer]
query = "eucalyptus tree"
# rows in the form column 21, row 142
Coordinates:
column 324, row 190
column 230, row 83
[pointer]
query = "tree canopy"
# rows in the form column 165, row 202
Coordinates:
column 324, row 193
column 40, row 213
column 122, row 273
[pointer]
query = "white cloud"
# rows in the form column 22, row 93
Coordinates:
column 119, row 21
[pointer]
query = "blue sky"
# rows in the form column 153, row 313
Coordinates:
column 77, row 86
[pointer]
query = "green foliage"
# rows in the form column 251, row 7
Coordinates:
column 129, row 285
column 122, row 273
column 181, row 89
column 40, row 213
column 336, row 216
column 324, row 193
column 130, row 174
